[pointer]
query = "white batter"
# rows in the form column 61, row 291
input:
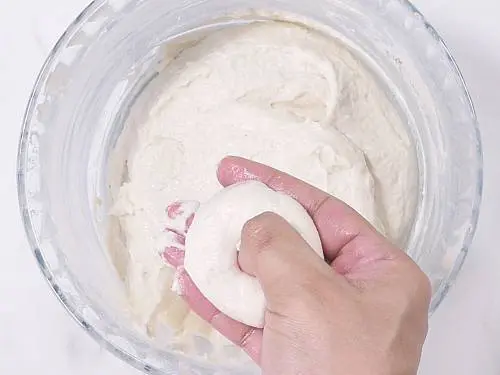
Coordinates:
column 273, row 92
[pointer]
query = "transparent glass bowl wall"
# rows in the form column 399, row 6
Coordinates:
column 111, row 51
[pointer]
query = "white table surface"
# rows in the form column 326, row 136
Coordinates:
column 36, row 334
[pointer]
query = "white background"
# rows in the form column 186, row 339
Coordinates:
column 36, row 334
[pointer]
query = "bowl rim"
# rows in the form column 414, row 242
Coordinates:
column 33, row 240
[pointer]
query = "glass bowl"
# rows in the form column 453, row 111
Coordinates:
column 114, row 48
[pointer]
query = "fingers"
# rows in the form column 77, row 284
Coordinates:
column 337, row 223
column 173, row 255
column 180, row 216
column 248, row 338
column 282, row 261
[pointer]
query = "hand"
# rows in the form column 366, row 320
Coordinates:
column 362, row 312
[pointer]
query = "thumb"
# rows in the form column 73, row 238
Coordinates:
column 285, row 265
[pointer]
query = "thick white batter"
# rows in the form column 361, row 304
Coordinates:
column 273, row 92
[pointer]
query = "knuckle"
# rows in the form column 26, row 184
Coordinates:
column 425, row 285
column 419, row 284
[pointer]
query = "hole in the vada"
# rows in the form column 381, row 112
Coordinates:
column 236, row 261
column 237, row 264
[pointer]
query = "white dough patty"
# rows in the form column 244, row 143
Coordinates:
column 211, row 246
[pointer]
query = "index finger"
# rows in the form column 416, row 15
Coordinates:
column 338, row 224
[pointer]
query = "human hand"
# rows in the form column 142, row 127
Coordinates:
column 362, row 312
